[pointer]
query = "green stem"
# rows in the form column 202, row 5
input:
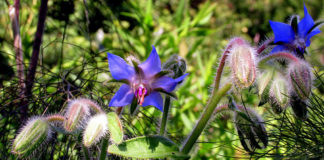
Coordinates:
column 165, row 114
column 86, row 152
column 104, row 146
column 285, row 55
column 204, row 118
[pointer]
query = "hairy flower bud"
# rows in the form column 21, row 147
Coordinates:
column 299, row 107
column 96, row 128
column 32, row 135
column 250, row 128
column 176, row 65
column 264, row 83
column 300, row 78
column 77, row 112
column 279, row 97
column 243, row 65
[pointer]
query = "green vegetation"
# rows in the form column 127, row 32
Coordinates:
column 73, row 63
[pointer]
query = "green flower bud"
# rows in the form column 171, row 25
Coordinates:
column 300, row 78
column 31, row 136
column 96, row 128
column 264, row 83
column 250, row 128
column 243, row 65
column 279, row 96
column 77, row 112
column 176, row 65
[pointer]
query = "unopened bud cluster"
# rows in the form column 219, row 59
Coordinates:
column 78, row 117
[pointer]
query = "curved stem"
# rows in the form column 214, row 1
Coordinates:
column 55, row 117
column 262, row 47
column 221, row 65
column 204, row 118
column 285, row 55
column 165, row 114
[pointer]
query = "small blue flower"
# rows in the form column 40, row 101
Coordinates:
column 142, row 82
column 295, row 40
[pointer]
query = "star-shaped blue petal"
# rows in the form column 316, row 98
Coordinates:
column 295, row 41
column 143, row 85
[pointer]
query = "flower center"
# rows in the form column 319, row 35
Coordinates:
column 140, row 93
column 300, row 44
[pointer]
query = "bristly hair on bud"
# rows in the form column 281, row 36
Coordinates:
column 76, row 113
column 96, row 128
column 279, row 94
column 36, row 131
column 300, row 78
column 264, row 82
column 250, row 128
column 242, row 60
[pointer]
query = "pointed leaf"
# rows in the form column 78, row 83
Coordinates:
column 146, row 147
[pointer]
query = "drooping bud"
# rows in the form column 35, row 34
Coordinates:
column 264, row 83
column 250, row 128
column 32, row 135
column 77, row 112
column 96, row 128
column 279, row 96
column 243, row 65
column 176, row 65
column 299, row 107
column 300, row 77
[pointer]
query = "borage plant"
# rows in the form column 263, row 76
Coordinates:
column 283, row 76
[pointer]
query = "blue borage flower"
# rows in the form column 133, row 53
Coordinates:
column 293, row 37
column 142, row 82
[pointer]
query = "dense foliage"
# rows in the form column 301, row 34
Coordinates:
column 73, row 63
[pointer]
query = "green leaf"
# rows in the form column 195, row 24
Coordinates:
column 147, row 147
column 148, row 19
column 180, row 11
column 115, row 128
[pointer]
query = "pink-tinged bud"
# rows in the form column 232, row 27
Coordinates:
column 77, row 112
column 96, row 128
column 31, row 136
column 243, row 65
column 300, row 76
column 251, row 129
column 279, row 94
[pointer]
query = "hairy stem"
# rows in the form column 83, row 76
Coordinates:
column 204, row 118
column 36, row 46
column 264, row 46
column 284, row 55
column 166, row 109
